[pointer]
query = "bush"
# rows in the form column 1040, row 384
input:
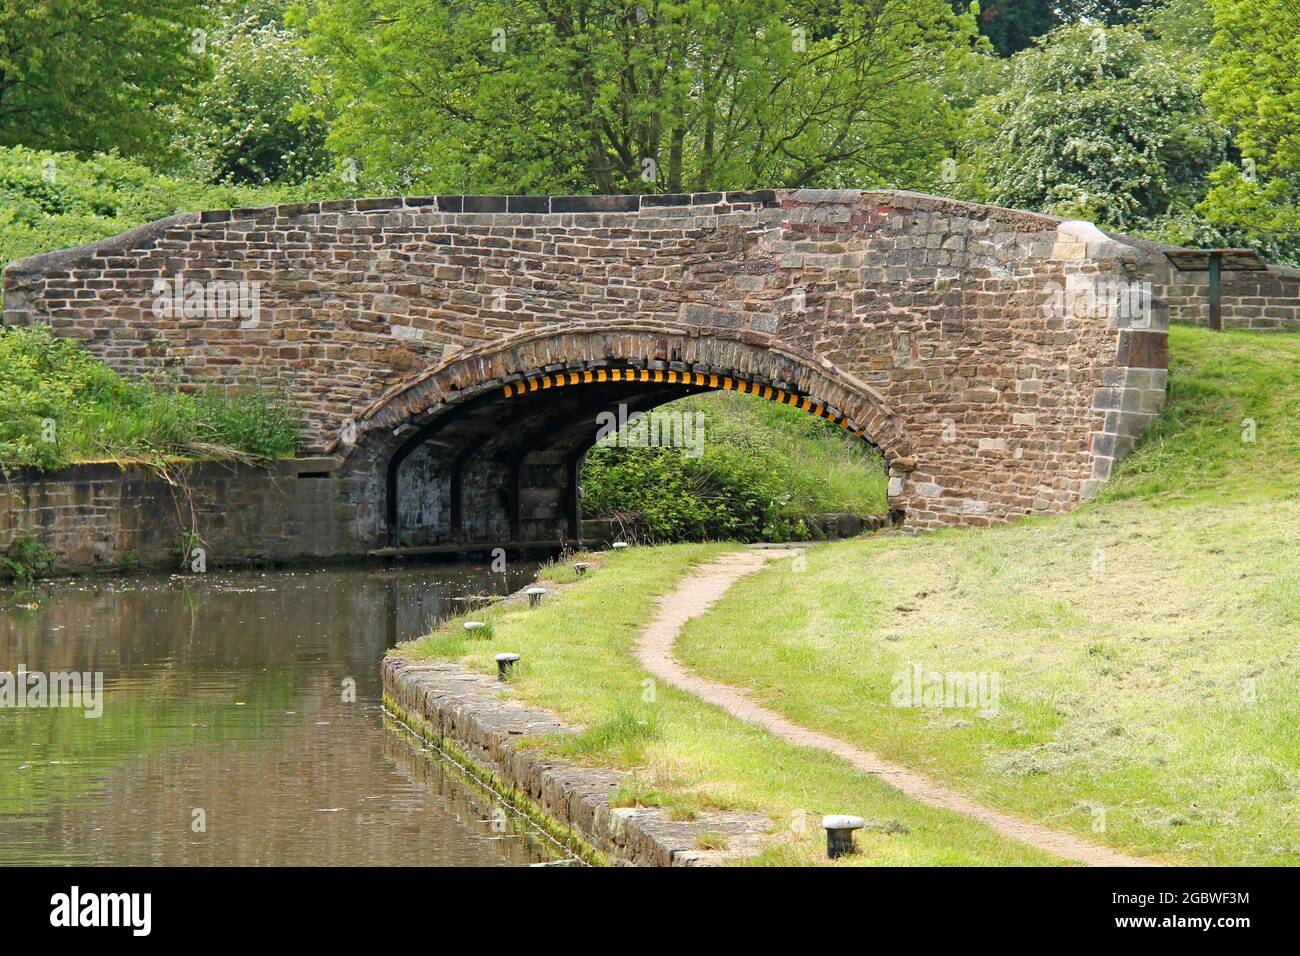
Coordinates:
column 26, row 560
column 765, row 471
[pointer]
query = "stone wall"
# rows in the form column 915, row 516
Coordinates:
column 104, row 517
column 929, row 326
column 1265, row 301
column 464, row 712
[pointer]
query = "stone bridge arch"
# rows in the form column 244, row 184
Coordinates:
column 527, row 409
column 995, row 356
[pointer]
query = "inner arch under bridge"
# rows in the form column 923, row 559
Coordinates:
column 450, row 354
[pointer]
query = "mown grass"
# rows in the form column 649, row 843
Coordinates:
column 688, row 756
column 1147, row 655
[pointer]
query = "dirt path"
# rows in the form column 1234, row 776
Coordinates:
column 701, row 589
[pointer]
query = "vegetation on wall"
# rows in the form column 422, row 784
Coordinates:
column 58, row 404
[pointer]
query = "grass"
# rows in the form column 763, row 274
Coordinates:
column 687, row 756
column 1147, row 659
column 1219, row 383
column 1144, row 646
column 58, row 404
column 758, row 471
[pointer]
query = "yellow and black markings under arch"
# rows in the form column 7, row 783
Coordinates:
column 545, row 382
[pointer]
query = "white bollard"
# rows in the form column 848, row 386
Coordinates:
column 504, row 663
column 839, row 834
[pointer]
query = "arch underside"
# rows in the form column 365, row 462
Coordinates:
column 503, row 470
column 486, row 450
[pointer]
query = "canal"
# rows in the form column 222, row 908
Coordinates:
column 241, row 724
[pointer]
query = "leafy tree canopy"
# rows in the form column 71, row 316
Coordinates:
column 1253, row 84
column 1012, row 25
column 1101, row 123
column 611, row 96
column 250, row 121
column 87, row 75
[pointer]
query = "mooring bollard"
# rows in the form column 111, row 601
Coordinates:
column 473, row 627
column 839, row 834
column 619, row 545
column 504, row 663
column 581, row 567
column 535, row 596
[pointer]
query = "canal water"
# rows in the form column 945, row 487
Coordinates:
column 230, row 732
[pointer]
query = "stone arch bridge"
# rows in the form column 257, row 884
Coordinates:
column 451, row 354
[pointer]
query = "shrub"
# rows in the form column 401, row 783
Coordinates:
column 765, row 471
column 26, row 559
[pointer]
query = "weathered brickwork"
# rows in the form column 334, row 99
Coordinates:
column 936, row 328
column 101, row 517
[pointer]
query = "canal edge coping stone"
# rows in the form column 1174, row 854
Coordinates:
column 447, row 704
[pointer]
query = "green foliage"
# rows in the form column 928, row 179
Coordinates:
column 1252, row 82
column 612, row 97
column 90, row 74
column 1102, row 124
column 249, row 122
column 56, row 200
column 1012, row 25
column 1230, row 429
column 766, row 469
column 25, row 560
column 58, row 405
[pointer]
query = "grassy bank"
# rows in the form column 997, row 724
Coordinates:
column 688, row 756
column 759, row 472
column 58, row 404
column 1145, row 646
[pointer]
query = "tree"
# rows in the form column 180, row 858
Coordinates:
column 250, row 122
column 1100, row 123
column 1253, row 84
column 1013, row 25
column 89, row 75
column 611, row 96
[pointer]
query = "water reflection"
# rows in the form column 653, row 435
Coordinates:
column 227, row 735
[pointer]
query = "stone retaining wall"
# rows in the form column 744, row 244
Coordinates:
column 1266, row 301
column 103, row 517
column 448, row 704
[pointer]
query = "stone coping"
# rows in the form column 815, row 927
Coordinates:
column 147, row 236
column 449, row 704
column 196, row 467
